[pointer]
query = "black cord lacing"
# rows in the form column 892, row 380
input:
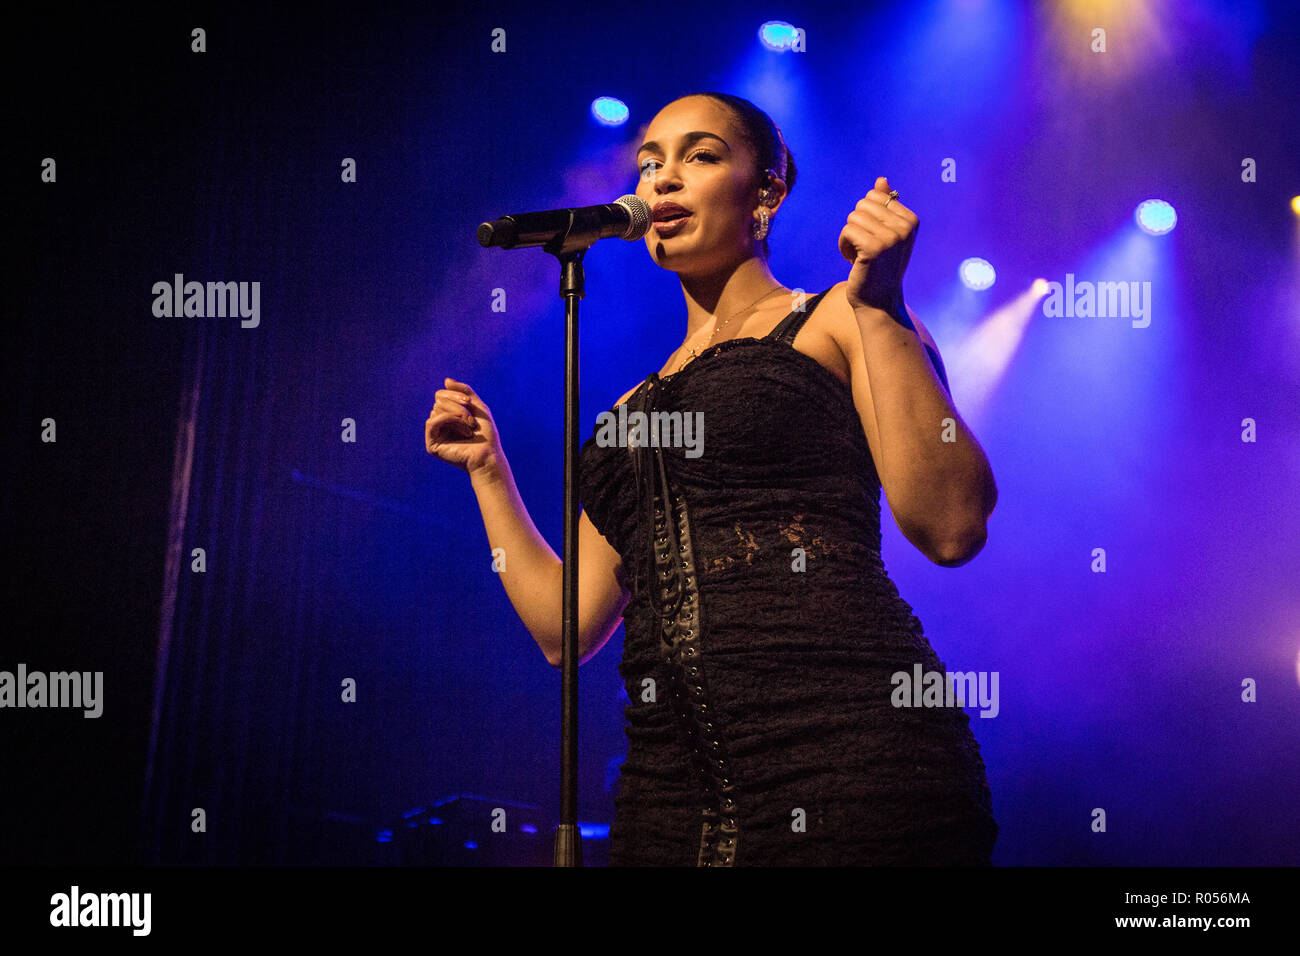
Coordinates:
column 646, row 474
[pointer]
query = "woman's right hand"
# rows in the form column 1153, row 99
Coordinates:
column 460, row 429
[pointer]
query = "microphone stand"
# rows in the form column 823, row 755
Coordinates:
column 572, row 232
column 568, row 841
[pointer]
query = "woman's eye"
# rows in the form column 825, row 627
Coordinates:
column 648, row 167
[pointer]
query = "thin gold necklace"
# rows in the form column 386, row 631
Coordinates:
column 718, row 328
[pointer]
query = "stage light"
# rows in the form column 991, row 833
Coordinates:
column 777, row 35
column 1155, row 217
column 1139, row 36
column 609, row 111
column 1295, row 205
column 979, row 362
column 977, row 273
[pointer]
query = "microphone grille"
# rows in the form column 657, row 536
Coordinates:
column 639, row 216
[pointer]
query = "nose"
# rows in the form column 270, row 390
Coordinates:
column 665, row 179
column 663, row 186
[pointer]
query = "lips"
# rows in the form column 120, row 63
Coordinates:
column 665, row 211
column 669, row 219
column 666, row 229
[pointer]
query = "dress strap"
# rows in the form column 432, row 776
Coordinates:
column 789, row 327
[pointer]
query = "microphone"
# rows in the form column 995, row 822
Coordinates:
column 628, row 218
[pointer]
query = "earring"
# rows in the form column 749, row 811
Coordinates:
column 764, row 223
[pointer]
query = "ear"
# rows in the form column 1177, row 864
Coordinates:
column 773, row 186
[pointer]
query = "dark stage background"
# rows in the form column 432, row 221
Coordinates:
column 329, row 560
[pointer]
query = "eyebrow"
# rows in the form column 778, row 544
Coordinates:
column 688, row 139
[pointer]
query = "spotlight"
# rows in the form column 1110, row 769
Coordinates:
column 777, row 35
column 1295, row 205
column 1155, row 217
column 977, row 273
column 1040, row 287
column 609, row 111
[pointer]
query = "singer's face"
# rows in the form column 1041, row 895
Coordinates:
column 711, row 176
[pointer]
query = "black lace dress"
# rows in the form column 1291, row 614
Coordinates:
column 763, row 633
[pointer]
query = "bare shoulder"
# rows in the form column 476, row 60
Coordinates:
column 628, row 394
column 842, row 324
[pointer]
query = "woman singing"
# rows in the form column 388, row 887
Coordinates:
column 763, row 635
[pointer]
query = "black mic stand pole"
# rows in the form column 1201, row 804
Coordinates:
column 577, row 229
column 568, row 841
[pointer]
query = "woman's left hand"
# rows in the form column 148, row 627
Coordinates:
column 878, row 241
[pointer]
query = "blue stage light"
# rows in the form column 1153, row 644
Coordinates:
column 609, row 111
column 977, row 273
column 1156, row 217
column 777, row 35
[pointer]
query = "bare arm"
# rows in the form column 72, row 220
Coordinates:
column 936, row 475
column 534, row 575
column 941, row 493
column 460, row 431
